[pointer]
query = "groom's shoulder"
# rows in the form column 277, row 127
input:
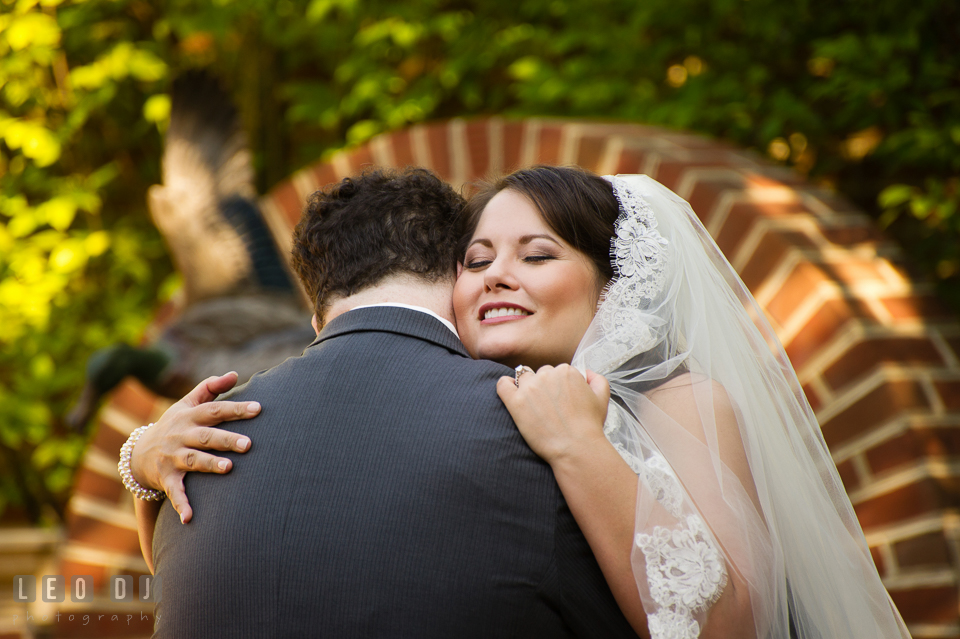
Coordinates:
column 482, row 367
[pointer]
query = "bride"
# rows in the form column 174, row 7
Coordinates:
column 648, row 379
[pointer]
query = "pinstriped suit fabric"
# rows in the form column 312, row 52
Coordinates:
column 387, row 494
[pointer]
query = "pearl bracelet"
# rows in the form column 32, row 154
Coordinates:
column 126, row 453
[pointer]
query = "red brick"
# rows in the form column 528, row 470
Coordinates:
column 848, row 475
column 477, row 135
column 109, row 440
column 741, row 218
column 863, row 357
column 803, row 280
column 922, row 497
column 824, row 324
column 631, row 161
column 878, row 560
column 812, row 397
column 912, row 445
column 915, row 307
column 927, row 605
column 134, row 399
column 706, row 193
column 950, row 394
column 96, row 485
column 324, row 175
column 853, row 271
column 777, row 175
column 437, row 140
column 671, row 171
column 926, row 550
column 832, row 200
column 696, row 142
column 402, row 148
column 99, row 573
column 848, row 236
column 286, row 198
column 590, row 152
column 513, row 136
column 360, row 158
column 101, row 534
column 769, row 252
column 548, row 144
column 879, row 405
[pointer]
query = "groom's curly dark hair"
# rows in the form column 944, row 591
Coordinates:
column 382, row 222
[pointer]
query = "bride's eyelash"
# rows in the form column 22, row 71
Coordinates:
column 529, row 258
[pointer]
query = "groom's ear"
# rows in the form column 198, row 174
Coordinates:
column 459, row 269
column 315, row 324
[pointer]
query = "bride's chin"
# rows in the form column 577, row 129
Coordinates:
column 501, row 354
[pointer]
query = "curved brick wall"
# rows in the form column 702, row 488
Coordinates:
column 878, row 357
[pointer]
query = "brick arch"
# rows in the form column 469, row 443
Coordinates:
column 878, row 357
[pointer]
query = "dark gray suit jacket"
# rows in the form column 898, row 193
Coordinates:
column 388, row 493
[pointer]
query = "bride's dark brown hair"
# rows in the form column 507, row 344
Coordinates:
column 577, row 205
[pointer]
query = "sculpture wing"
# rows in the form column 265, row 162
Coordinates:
column 207, row 189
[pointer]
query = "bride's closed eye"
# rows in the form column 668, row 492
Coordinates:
column 539, row 258
column 479, row 263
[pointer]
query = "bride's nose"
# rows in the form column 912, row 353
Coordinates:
column 499, row 275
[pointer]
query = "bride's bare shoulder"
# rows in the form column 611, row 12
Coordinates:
column 684, row 397
column 703, row 408
column 687, row 385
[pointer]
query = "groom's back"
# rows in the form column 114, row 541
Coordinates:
column 387, row 494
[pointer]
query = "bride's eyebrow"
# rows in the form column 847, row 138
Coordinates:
column 526, row 239
column 482, row 241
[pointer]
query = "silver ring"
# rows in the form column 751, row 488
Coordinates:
column 520, row 370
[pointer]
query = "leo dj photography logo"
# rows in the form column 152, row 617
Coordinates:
column 53, row 589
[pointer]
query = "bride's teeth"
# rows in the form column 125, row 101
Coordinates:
column 503, row 312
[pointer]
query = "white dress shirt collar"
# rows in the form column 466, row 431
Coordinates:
column 445, row 322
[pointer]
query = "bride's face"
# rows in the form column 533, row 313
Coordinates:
column 523, row 295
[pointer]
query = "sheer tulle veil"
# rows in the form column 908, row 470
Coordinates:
column 738, row 495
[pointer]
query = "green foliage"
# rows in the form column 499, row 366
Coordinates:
column 864, row 96
column 79, row 261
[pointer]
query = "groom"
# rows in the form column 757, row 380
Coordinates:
column 388, row 493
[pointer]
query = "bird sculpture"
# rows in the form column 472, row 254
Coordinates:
column 241, row 311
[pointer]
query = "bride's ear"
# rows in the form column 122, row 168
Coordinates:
column 459, row 269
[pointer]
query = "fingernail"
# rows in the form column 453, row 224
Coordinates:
column 234, row 373
column 253, row 407
column 243, row 443
column 181, row 518
column 223, row 464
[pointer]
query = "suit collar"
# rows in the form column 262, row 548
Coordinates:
column 392, row 319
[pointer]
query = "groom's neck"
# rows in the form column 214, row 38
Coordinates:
column 400, row 289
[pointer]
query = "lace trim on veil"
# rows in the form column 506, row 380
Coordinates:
column 685, row 570
column 638, row 255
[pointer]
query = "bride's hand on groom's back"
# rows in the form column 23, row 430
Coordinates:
column 174, row 445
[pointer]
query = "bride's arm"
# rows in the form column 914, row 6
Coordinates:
column 561, row 417
column 174, row 446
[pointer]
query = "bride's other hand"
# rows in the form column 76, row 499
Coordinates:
column 174, row 445
column 557, row 410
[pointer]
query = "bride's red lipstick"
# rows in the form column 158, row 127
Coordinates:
column 506, row 318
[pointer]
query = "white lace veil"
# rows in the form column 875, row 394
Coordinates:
column 740, row 507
